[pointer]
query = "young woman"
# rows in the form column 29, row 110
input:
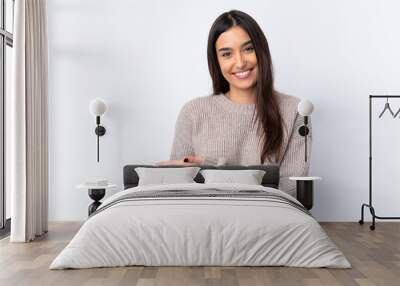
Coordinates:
column 245, row 121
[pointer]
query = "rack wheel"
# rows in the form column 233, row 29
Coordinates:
column 361, row 222
column 372, row 227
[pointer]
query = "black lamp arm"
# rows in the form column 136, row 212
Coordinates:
column 303, row 131
column 99, row 131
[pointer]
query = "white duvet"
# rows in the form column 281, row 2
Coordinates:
column 200, row 231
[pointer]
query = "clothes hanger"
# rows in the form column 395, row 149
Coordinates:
column 387, row 107
column 398, row 111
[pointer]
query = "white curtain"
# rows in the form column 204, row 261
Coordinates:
column 28, row 157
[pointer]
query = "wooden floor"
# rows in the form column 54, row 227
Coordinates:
column 374, row 255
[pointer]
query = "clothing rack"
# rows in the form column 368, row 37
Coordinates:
column 369, row 205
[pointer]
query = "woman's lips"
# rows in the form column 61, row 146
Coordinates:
column 243, row 74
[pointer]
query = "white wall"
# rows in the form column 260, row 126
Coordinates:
column 147, row 58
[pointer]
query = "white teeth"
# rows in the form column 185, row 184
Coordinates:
column 242, row 74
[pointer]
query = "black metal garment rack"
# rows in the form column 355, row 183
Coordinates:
column 369, row 205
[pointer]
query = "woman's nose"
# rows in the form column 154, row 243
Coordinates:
column 240, row 61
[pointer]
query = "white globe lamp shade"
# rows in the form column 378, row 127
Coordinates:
column 97, row 107
column 305, row 107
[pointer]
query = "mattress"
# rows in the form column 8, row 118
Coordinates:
column 201, row 225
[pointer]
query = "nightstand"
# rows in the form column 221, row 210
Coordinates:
column 96, row 193
column 305, row 190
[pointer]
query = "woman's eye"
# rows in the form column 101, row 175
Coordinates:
column 249, row 49
column 226, row 54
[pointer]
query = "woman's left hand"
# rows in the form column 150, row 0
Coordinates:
column 186, row 161
column 198, row 160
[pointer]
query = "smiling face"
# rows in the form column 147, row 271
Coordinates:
column 237, row 58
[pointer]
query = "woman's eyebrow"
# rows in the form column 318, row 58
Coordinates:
column 246, row 43
column 228, row 49
column 224, row 49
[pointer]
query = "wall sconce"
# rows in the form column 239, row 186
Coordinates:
column 305, row 108
column 97, row 108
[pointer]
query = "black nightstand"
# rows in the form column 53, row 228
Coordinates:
column 96, row 193
column 305, row 190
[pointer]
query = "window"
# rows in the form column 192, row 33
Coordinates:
column 6, row 44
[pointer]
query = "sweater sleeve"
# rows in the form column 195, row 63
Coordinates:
column 293, row 162
column 182, row 144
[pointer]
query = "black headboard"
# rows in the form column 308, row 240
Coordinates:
column 270, row 179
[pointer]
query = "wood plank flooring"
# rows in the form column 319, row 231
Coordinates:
column 374, row 255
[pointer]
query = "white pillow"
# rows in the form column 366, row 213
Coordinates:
column 165, row 176
column 249, row 177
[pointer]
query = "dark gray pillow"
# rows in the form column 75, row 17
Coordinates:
column 249, row 177
column 165, row 176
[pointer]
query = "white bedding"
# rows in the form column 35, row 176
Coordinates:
column 200, row 231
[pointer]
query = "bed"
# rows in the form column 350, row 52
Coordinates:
column 201, row 224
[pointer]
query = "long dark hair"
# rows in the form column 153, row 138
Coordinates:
column 267, row 113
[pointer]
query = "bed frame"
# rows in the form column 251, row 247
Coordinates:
column 270, row 179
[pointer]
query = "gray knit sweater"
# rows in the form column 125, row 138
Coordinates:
column 222, row 131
